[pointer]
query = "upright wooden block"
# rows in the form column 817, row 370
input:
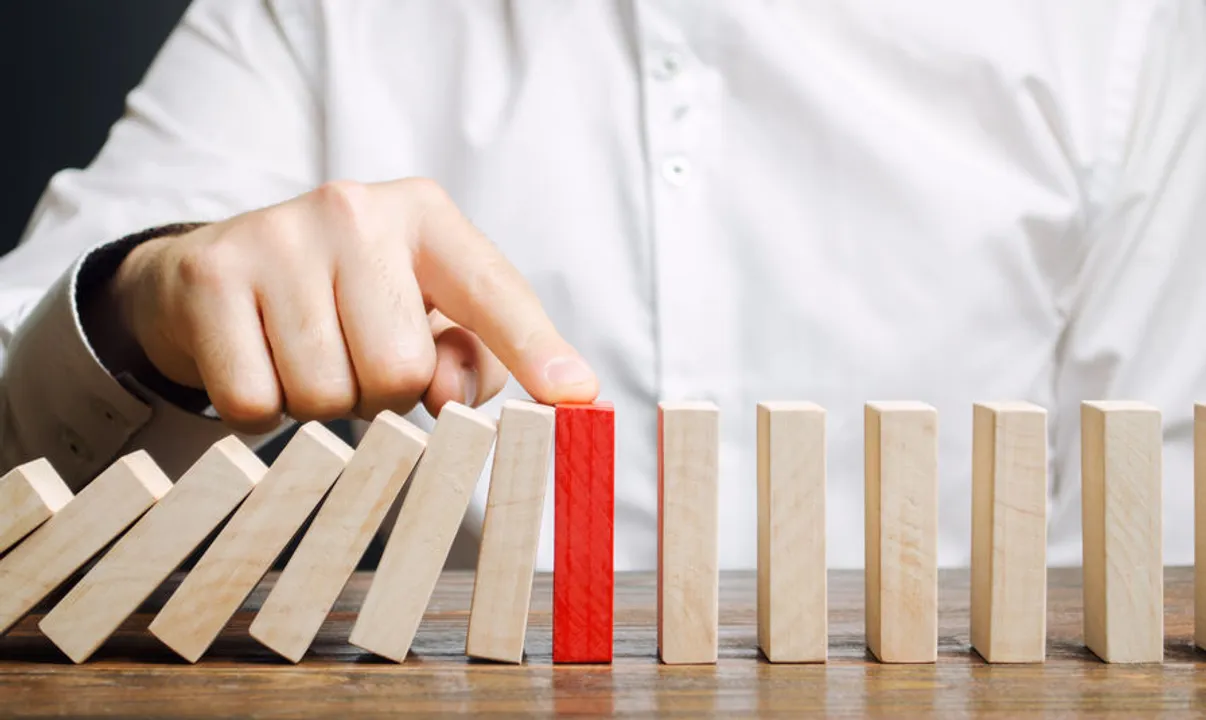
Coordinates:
column 30, row 494
column 423, row 534
column 1009, row 532
column 792, row 607
column 100, row 512
column 502, row 589
column 325, row 558
column 1199, row 523
column 1121, row 455
column 902, row 531
column 584, row 534
column 141, row 560
column 245, row 549
column 688, row 487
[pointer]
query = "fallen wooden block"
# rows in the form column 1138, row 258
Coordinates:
column 902, row 531
column 1199, row 523
column 583, row 553
column 94, row 517
column 1009, row 532
column 792, row 605
column 30, row 494
column 502, row 587
column 243, row 552
column 307, row 588
column 688, row 577
column 422, row 536
column 1121, row 506
column 157, row 544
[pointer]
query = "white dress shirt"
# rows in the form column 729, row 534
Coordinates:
column 734, row 201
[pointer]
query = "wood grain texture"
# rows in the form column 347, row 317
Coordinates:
column 584, row 534
column 1121, row 503
column 341, row 531
column 30, row 494
column 688, row 525
column 94, row 517
column 901, row 501
column 792, row 606
column 506, row 560
column 134, row 676
column 246, row 547
column 427, row 524
column 1009, row 532
column 154, row 547
column 1199, row 521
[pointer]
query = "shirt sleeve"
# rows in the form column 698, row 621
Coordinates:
column 224, row 121
column 1137, row 327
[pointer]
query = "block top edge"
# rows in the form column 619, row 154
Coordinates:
column 901, row 406
column 701, row 405
column 598, row 406
column 1120, row 405
column 1012, row 406
column 319, row 434
column 790, row 406
column 528, row 406
column 400, row 425
column 467, row 414
column 46, row 482
column 145, row 470
column 235, row 451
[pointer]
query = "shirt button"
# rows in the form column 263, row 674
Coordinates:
column 676, row 171
column 668, row 66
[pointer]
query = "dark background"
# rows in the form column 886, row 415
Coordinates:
column 67, row 67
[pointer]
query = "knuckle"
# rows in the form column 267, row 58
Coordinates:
column 426, row 192
column 248, row 408
column 209, row 266
column 319, row 401
column 344, row 200
column 403, row 377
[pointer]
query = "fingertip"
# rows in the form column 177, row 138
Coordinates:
column 567, row 378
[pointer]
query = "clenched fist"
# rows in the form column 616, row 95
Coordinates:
column 352, row 298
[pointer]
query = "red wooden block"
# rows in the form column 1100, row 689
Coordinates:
column 583, row 570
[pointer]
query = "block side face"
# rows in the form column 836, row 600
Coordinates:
column 765, row 532
column 1199, row 523
column 502, row 586
column 661, row 522
column 1133, row 536
column 1019, row 540
column 22, row 508
column 984, row 437
column 871, row 526
column 690, row 551
column 908, row 537
column 1092, row 492
column 307, row 588
column 422, row 536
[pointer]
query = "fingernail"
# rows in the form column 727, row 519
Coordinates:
column 469, row 388
column 562, row 371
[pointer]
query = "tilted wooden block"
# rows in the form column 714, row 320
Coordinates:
column 100, row 512
column 792, row 605
column 30, row 494
column 584, row 534
column 506, row 560
column 901, row 503
column 244, row 550
column 1199, row 523
column 157, row 544
column 688, row 577
column 1009, row 532
column 423, row 534
column 1121, row 456
column 307, row 588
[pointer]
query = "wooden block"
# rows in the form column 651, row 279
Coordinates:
column 792, row 605
column 30, row 494
column 142, row 559
column 502, row 588
column 325, row 558
column 244, row 551
column 1009, row 532
column 98, row 514
column 902, row 531
column 1120, row 448
column 688, row 576
column 584, row 534
column 1199, row 523
column 423, row 534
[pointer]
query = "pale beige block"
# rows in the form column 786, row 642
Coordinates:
column 1009, row 532
column 30, row 494
column 792, row 606
column 144, row 557
column 423, row 534
column 325, row 558
column 94, row 517
column 1199, row 523
column 502, row 588
column 688, row 524
column 1121, row 457
column 244, row 551
column 902, row 531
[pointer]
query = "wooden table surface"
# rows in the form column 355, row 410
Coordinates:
column 134, row 676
